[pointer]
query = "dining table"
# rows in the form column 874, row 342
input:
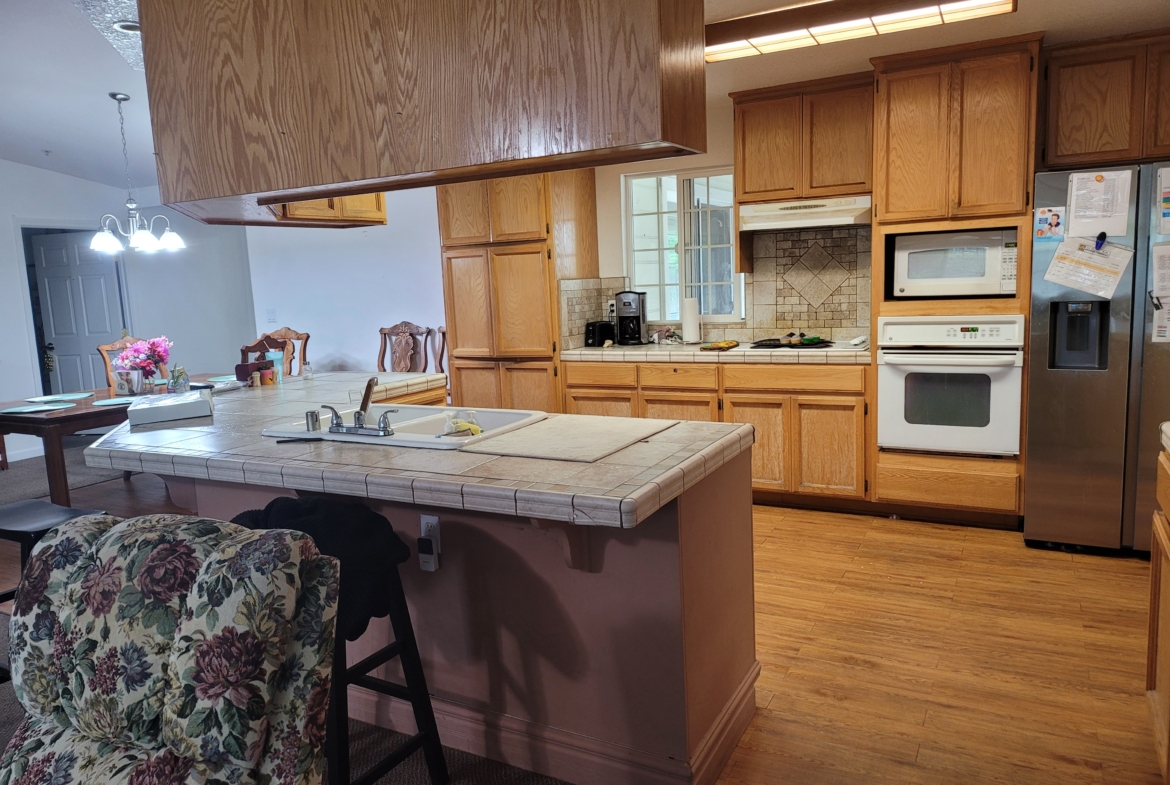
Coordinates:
column 85, row 414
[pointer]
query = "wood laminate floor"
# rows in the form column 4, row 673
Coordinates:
column 910, row 653
column 905, row 652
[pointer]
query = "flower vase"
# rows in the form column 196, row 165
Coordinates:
column 128, row 382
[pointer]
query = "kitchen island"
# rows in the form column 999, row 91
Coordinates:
column 592, row 621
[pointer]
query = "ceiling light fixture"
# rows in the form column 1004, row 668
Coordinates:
column 127, row 26
column 139, row 231
column 881, row 24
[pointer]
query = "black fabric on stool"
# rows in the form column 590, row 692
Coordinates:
column 369, row 551
column 25, row 523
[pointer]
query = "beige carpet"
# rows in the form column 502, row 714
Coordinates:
column 571, row 437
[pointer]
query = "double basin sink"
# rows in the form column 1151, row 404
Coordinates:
column 412, row 426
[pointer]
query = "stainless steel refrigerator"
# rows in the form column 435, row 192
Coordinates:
column 1098, row 387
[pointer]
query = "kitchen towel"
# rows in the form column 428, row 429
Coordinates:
column 571, row 437
column 690, row 320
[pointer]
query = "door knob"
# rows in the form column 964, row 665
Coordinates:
column 50, row 347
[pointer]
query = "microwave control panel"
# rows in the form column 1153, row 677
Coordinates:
column 951, row 331
column 1007, row 269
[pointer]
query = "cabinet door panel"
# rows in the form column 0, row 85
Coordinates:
column 910, row 157
column 601, row 402
column 768, row 149
column 838, row 142
column 702, row 407
column 313, row 209
column 769, row 414
column 530, row 385
column 1095, row 106
column 829, row 445
column 1157, row 142
column 467, row 296
column 463, row 213
column 475, row 383
column 991, row 135
column 517, row 208
column 364, row 207
column 522, row 301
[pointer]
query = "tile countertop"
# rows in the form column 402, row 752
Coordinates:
column 622, row 489
column 840, row 354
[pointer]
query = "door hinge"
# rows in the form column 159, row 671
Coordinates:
column 549, row 252
column 546, row 229
column 1045, row 73
column 554, row 347
column 720, row 404
column 866, row 408
column 867, row 486
column 1031, row 63
column 1027, row 199
column 555, row 374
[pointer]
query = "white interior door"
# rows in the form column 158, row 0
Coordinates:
column 81, row 307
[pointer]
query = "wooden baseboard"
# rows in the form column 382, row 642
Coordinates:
column 807, row 501
column 571, row 757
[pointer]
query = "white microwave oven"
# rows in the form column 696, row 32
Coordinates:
column 955, row 264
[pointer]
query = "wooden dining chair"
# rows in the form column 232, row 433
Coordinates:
column 3, row 455
column 408, row 348
column 440, row 348
column 292, row 336
column 109, row 351
column 263, row 345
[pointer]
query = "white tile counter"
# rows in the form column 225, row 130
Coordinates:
column 840, row 354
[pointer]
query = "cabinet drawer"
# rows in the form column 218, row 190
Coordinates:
column 1163, row 487
column 600, row 375
column 679, row 377
column 936, row 481
column 824, row 378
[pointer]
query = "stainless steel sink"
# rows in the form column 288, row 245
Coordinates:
column 415, row 426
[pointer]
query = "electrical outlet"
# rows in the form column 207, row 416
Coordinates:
column 429, row 528
column 272, row 316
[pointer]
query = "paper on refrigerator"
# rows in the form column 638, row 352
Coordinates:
column 1161, row 326
column 1098, row 202
column 1079, row 266
column 1163, row 201
column 1160, row 271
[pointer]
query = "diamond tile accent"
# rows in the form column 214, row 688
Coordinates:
column 833, row 274
column 815, row 258
column 798, row 276
column 816, row 292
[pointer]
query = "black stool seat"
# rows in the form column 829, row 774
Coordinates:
column 35, row 517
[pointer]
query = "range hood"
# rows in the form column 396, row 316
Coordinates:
column 834, row 211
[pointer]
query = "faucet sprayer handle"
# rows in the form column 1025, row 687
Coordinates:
column 335, row 420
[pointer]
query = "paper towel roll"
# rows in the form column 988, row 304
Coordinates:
column 690, row 320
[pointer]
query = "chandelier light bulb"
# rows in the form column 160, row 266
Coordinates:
column 170, row 241
column 143, row 241
column 105, row 242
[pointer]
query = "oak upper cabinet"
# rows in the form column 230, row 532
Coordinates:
column 529, row 385
column 518, row 209
column 467, row 295
column 363, row 207
column 1157, row 136
column 311, row 209
column 953, row 130
column 828, row 433
column 768, row 413
column 522, row 300
column 361, row 210
column 805, row 139
column 464, row 213
column 476, row 383
column 1095, row 105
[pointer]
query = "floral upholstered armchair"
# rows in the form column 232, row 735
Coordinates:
column 170, row 649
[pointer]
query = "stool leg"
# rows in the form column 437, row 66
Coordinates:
column 337, row 719
column 126, row 476
column 416, row 683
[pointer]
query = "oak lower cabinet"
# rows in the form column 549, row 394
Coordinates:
column 679, row 405
column 1158, row 647
column 491, row 384
column 988, row 484
column 954, row 130
column 601, row 402
column 769, row 414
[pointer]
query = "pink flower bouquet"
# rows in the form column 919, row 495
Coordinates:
column 145, row 356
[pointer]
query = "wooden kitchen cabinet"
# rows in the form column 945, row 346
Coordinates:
column 828, row 434
column 361, row 210
column 600, row 401
column 1095, row 105
column 1158, row 645
column 467, row 294
column 530, row 385
column 954, row 130
column 312, row 209
column 770, row 454
column 464, row 213
column 804, row 140
column 476, row 383
column 363, row 207
column 1157, row 130
column 522, row 301
column 517, row 208
column 503, row 210
column 677, row 405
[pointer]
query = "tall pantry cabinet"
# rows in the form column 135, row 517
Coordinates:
column 506, row 244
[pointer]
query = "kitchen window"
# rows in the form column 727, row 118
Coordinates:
column 680, row 237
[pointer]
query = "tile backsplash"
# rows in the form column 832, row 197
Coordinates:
column 585, row 300
column 807, row 280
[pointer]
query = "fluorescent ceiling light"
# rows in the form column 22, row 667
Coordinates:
column 843, row 31
column 908, row 20
column 882, row 24
column 973, row 9
column 794, row 39
column 730, row 51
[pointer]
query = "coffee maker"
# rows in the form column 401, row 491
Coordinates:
column 631, row 318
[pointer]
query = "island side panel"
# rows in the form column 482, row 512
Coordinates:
column 718, row 596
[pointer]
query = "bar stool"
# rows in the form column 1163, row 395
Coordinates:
column 369, row 551
column 26, row 523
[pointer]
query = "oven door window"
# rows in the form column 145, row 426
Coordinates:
column 945, row 263
column 959, row 399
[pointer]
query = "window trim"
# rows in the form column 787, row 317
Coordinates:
column 628, row 241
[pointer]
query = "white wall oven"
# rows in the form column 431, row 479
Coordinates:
column 955, row 264
column 950, row 384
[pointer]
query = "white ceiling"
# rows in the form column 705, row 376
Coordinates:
column 60, row 69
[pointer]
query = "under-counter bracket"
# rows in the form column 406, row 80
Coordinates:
column 573, row 539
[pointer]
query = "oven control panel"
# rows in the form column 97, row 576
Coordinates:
column 951, row 331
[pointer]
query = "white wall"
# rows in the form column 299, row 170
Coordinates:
column 342, row 285
column 720, row 152
column 199, row 297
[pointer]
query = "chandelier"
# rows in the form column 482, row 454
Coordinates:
column 139, row 231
